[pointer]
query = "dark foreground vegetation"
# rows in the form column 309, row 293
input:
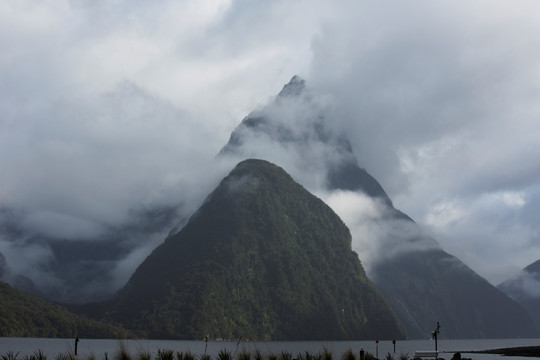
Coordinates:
column 122, row 353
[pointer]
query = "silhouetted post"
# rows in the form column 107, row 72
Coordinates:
column 377, row 349
column 394, row 343
column 76, row 344
column 361, row 353
column 435, row 333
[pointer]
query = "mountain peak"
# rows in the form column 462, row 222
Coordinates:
column 533, row 268
column 294, row 88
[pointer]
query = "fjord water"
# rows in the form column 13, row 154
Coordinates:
column 102, row 349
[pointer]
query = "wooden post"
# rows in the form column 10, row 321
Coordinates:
column 76, row 344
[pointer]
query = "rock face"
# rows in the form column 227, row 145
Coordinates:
column 525, row 289
column 262, row 258
column 423, row 283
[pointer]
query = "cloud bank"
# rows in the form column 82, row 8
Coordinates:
column 112, row 107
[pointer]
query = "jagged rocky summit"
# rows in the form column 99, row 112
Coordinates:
column 423, row 283
column 263, row 259
column 525, row 289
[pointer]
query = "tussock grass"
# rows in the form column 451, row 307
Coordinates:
column 258, row 355
column 243, row 355
column 65, row 356
column 165, row 354
column 10, row 355
column 404, row 356
column 326, row 354
column 143, row 354
column 349, row 355
column 285, row 356
column 224, row 355
column 122, row 353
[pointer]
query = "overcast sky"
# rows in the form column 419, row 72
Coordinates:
column 110, row 105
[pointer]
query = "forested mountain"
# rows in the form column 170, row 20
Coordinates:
column 24, row 315
column 262, row 258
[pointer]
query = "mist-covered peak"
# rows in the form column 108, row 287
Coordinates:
column 296, row 132
column 293, row 88
column 533, row 268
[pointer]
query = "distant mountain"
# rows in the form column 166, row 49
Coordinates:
column 428, row 286
column 24, row 315
column 423, row 283
column 83, row 269
column 262, row 258
column 525, row 289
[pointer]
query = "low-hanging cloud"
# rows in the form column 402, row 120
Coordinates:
column 107, row 108
column 377, row 234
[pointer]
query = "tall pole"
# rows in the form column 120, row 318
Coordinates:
column 435, row 334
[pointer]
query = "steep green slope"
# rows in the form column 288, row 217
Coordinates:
column 24, row 315
column 263, row 259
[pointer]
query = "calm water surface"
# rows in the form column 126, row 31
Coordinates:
column 102, row 348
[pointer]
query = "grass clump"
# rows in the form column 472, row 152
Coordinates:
column 65, row 356
column 165, row 354
column 10, row 355
column 122, row 353
column 404, row 356
column 143, row 355
column 308, row 356
column 224, row 355
column 349, row 355
column 185, row 355
column 243, row 355
column 327, row 354
column 285, row 356
column 258, row 355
